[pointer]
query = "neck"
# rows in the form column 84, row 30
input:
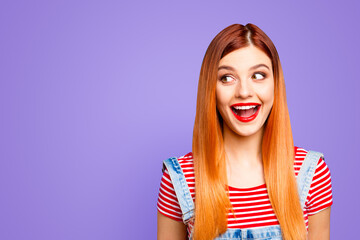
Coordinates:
column 243, row 150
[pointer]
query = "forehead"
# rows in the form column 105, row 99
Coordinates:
column 246, row 57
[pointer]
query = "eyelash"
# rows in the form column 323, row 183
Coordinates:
column 261, row 73
column 226, row 75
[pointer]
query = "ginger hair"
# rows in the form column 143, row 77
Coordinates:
column 212, row 203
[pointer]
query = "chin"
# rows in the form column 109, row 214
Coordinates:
column 246, row 133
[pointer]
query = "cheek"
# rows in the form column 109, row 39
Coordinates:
column 220, row 97
column 224, row 94
column 267, row 95
column 222, row 100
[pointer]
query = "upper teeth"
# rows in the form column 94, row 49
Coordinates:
column 244, row 107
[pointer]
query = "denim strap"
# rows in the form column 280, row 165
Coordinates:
column 181, row 188
column 306, row 174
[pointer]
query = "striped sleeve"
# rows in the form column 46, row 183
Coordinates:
column 167, row 203
column 320, row 193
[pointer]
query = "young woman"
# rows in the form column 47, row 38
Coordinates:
column 251, row 181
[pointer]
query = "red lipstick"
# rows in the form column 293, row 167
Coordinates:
column 248, row 117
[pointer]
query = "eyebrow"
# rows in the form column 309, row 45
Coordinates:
column 253, row 67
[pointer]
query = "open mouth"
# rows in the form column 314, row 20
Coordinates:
column 245, row 113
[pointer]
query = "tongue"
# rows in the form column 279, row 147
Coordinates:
column 246, row 113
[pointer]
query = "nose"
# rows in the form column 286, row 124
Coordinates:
column 244, row 89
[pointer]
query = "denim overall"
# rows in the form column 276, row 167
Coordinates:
column 186, row 203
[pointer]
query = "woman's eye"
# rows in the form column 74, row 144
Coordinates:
column 258, row 76
column 226, row 79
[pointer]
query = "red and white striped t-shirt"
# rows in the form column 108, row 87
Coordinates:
column 251, row 205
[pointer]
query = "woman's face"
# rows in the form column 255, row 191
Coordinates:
column 245, row 90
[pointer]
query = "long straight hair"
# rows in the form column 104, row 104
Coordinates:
column 212, row 202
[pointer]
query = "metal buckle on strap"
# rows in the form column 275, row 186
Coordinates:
column 189, row 219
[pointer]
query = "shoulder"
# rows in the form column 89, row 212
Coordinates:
column 320, row 192
column 300, row 154
column 187, row 170
column 186, row 163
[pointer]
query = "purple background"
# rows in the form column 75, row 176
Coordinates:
column 94, row 95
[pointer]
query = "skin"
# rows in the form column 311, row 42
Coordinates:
column 319, row 225
column 169, row 229
column 239, row 82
